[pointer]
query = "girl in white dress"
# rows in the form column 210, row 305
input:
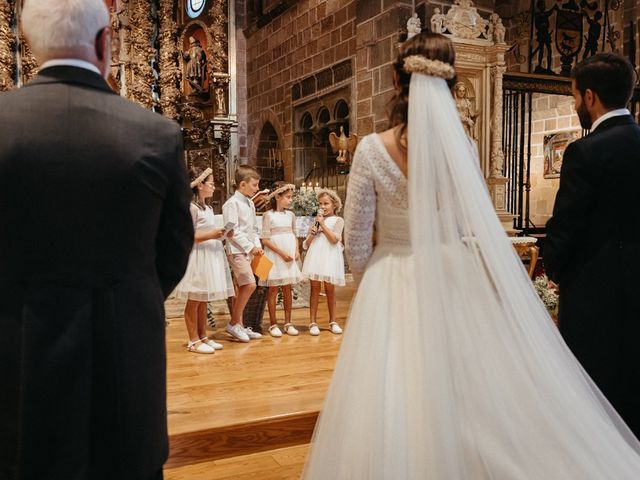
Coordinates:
column 324, row 262
column 281, row 247
column 207, row 277
column 451, row 368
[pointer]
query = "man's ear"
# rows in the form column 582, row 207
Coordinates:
column 589, row 97
column 102, row 43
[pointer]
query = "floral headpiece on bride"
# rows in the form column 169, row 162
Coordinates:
column 332, row 195
column 282, row 189
column 427, row 66
column 201, row 178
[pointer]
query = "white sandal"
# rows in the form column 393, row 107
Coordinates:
column 199, row 347
column 274, row 331
column 211, row 343
column 289, row 329
column 314, row 329
column 335, row 328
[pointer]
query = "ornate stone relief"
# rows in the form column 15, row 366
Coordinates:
column 7, row 40
column 463, row 21
column 170, row 75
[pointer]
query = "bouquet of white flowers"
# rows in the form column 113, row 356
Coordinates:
column 305, row 203
column 548, row 296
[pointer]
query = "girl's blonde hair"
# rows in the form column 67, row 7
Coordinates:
column 327, row 192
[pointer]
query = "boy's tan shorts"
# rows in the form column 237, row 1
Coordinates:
column 240, row 263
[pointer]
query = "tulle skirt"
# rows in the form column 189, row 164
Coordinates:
column 282, row 273
column 515, row 418
column 207, row 277
column 324, row 262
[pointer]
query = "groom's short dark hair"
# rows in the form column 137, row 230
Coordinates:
column 609, row 75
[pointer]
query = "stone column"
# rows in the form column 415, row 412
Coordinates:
column 497, row 182
column 7, row 40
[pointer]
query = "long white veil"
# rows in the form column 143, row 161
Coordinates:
column 506, row 398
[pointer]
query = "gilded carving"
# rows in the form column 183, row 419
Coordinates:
column 140, row 74
column 170, row 75
column 217, row 50
column 27, row 60
column 7, row 40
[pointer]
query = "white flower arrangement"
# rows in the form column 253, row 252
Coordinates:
column 305, row 203
column 548, row 296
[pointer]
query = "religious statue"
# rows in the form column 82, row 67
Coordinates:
column 343, row 144
column 495, row 29
column 221, row 108
column 543, row 35
column 593, row 35
column 437, row 21
column 414, row 26
column 466, row 109
column 196, row 65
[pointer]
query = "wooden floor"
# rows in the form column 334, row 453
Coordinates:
column 250, row 397
column 279, row 464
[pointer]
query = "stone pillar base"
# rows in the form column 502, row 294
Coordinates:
column 498, row 191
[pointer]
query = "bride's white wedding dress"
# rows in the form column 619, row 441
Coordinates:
column 450, row 367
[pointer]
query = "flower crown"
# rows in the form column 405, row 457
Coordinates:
column 427, row 66
column 282, row 189
column 203, row 176
column 332, row 195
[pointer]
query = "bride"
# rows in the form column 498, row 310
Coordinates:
column 450, row 367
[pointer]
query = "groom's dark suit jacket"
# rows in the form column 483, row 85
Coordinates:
column 592, row 250
column 95, row 232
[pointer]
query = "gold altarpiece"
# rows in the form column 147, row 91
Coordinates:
column 152, row 66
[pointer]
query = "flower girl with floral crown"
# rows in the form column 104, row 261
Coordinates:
column 324, row 262
column 207, row 277
column 281, row 247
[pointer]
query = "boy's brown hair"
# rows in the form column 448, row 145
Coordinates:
column 245, row 173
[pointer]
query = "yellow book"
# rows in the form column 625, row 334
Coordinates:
column 261, row 266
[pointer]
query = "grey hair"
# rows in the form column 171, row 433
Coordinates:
column 63, row 25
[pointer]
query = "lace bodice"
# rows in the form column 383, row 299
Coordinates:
column 376, row 195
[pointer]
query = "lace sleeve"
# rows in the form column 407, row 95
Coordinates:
column 359, row 211
column 337, row 229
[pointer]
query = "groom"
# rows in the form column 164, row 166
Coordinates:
column 592, row 249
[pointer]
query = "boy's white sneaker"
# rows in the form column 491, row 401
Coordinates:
column 237, row 332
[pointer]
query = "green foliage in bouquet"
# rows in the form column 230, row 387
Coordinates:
column 304, row 203
column 547, row 295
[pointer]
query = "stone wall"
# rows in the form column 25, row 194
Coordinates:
column 306, row 38
column 551, row 114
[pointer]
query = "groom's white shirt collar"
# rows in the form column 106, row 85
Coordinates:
column 613, row 113
column 70, row 62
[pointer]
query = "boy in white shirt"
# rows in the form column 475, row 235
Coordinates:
column 242, row 246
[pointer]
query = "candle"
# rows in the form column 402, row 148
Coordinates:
column 317, row 187
column 303, row 188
